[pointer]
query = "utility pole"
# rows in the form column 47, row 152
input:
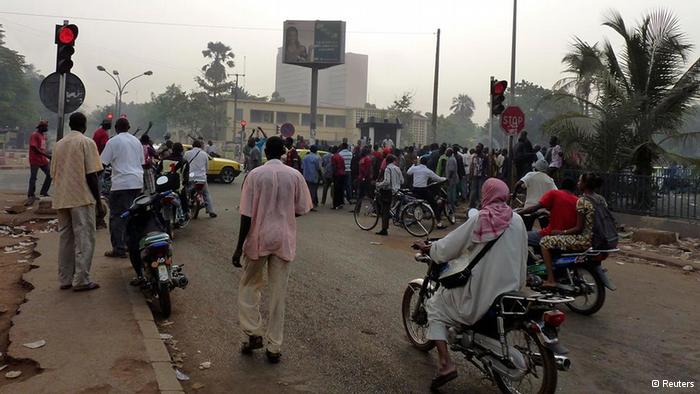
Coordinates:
column 512, row 90
column 433, row 126
column 235, row 109
column 491, row 81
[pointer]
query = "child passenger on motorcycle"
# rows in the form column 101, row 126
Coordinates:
column 501, row 269
column 577, row 238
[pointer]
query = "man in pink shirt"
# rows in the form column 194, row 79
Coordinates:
column 273, row 196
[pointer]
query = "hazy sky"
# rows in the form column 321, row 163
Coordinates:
column 397, row 35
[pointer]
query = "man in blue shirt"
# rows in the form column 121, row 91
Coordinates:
column 311, row 168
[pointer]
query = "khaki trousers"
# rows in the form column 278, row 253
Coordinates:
column 76, row 245
column 249, row 295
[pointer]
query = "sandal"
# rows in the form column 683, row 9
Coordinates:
column 115, row 254
column 441, row 380
column 87, row 287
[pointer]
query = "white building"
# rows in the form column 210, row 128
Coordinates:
column 344, row 85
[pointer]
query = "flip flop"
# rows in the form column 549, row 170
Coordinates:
column 87, row 287
column 441, row 380
column 65, row 287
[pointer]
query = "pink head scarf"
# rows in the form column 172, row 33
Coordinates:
column 495, row 215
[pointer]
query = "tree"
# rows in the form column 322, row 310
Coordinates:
column 643, row 97
column 403, row 107
column 214, row 81
column 584, row 65
column 16, row 107
column 539, row 105
column 463, row 106
column 276, row 98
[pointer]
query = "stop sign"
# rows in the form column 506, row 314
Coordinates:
column 513, row 120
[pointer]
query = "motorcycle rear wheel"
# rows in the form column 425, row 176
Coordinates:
column 197, row 207
column 588, row 304
column 164, row 300
column 545, row 369
column 415, row 332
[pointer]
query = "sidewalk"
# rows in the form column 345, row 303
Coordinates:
column 98, row 341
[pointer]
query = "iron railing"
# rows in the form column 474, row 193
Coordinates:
column 660, row 195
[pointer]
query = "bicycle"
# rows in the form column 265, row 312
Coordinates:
column 413, row 214
column 443, row 202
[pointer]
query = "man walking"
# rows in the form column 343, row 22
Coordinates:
column 311, row 166
column 556, row 161
column 347, row 158
column 477, row 175
column 75, row 167
column 273, row 195
column 327, row 174
column 199, row 164
column 292, row 157
column 387, row 187
column 124, row 153
column 338, row 180
column 38, row 160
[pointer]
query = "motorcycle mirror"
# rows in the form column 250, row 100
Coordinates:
column 162, row 180
column 473, row 212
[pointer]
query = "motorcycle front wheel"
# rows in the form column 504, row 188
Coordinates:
column 415, row 331
column 541, row 375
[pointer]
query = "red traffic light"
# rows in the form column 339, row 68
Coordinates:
column 499, row 87
column 244, row 123
column 110, row 116
column 67, row 34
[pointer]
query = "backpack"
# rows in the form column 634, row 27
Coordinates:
column 604, row 235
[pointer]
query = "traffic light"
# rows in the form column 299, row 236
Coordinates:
column 498, row 90
column 65, row 40
column 110, row 116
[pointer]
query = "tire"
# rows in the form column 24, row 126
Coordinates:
column 414, row 338
column 367, row 215
column 164, row 300
column 227, row 175
column 588, row 304
column 548, row 371
column 197, row 207
column 169, row 228
column 418, row 219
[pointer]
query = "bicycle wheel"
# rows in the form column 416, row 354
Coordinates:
column 418, row 219
column 366, row 214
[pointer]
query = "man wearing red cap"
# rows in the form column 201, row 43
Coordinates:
column 38, row 160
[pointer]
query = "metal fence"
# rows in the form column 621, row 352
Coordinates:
column 661, row 195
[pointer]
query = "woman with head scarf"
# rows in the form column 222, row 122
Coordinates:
column 500, row 270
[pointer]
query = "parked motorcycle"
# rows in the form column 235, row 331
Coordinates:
column 173, row 213
column 579, row 275
column 149, row 242
column 197, row 199
column 515, row 344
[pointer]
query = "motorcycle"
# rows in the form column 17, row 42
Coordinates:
column 197, row 198
column 172, row 210
column 149, row 243
column 515, row 345
column 579, row 275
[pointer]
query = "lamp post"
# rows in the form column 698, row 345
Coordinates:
column 120, row 87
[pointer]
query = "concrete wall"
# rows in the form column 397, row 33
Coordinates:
column 684, row 228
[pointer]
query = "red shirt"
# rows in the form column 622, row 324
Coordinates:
column 377, row 154
column 338, row 165
column 38, row 141
column 365, row 168
column 100, row 136
column 292, row 159
column 562, row 210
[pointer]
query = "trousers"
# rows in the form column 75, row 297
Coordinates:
column 250, row 294
column 33, row 172
column 119, row 202
column 76, row 245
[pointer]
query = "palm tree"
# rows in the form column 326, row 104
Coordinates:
column 583, row 64
column 463, row 105
column 642, row 96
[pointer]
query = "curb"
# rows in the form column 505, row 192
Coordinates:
column 672, row 261
column 158, row 354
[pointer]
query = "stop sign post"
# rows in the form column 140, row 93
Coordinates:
column 513, row 120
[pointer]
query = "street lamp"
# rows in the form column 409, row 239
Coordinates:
column 120, row 87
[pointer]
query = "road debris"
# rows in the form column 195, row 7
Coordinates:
column 165, row 337
column 35, row 345
column 658, row 265
column 375, row 243
column 13, row 374
column 205, row 365
column 166, row 323
column 688, row 268
column 181, row 376
column 197, row 386
column 3, row 367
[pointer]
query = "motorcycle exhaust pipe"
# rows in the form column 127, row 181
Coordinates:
column 562, row 362
column 182, row 282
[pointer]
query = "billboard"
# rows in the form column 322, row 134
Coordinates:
column 314, row 43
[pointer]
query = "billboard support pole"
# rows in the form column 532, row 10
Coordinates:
column 314, row 99
column 433, row 126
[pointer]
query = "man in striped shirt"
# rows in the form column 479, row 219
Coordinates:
column 387, row 187
column 347, row 156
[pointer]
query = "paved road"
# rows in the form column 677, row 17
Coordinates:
column 344, row 332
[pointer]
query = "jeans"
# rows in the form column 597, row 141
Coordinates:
column 313, row 189
column 338, row 186
column 33, row 170
column 475, row 195
column 119, row 202
column 385, row 199
column 327, row 184
column 348, row 187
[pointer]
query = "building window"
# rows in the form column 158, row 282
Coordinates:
column 258, row 116
column 287, row 117
column 305, row 118
column 239, row 114
column 335, row 121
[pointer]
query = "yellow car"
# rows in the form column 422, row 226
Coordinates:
column 224, row 170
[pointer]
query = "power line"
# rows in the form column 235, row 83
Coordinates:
column 174, row 24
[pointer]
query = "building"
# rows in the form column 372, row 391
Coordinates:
column 332, row 126
column 344, row 85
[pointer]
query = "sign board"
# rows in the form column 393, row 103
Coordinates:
column 75, row 92
column 318, row 44
column 513, row 120
column 287, row 130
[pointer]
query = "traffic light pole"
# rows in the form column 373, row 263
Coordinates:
column 235, row 111
column 433, row 122
column 61, row 102
column 512, row 91
column 491, row 82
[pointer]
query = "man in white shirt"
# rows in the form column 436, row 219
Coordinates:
column 387, row 187
column 124, row 153
column 537, row 183
column 557, row 159
column 211, row 149
column 346, row 154
column 422, row 175
column 199, row 164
